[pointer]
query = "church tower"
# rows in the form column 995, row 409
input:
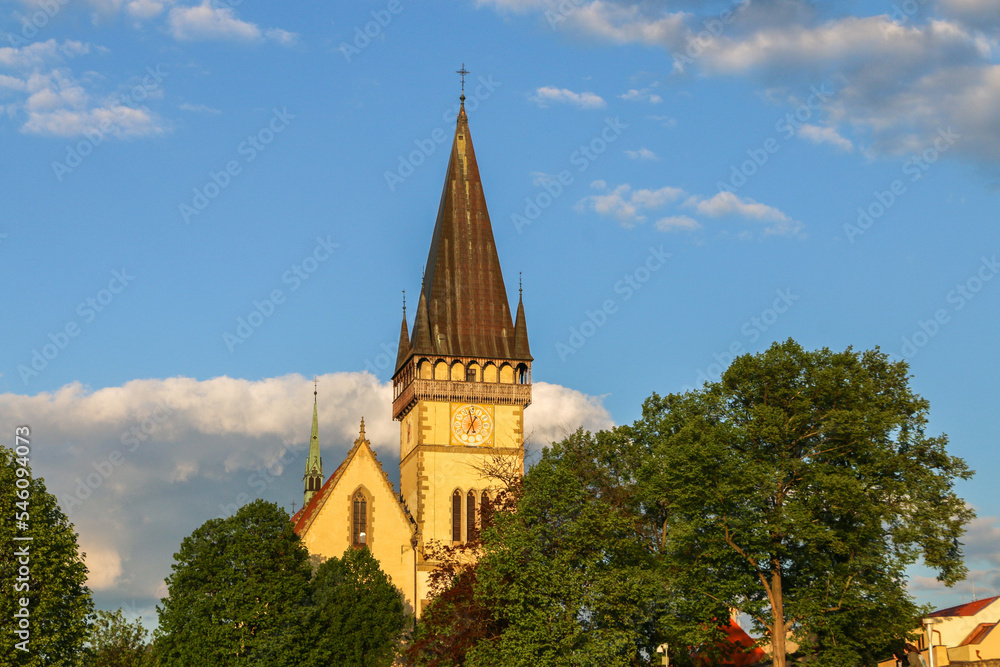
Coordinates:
column 312, row 480
column 463, row 378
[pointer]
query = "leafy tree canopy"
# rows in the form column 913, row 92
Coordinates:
column 359, row 614
column 797, row 489
column 46, row 570
column 238, row 593
column 114, row 642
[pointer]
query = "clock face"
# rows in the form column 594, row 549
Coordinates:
column 472, row 424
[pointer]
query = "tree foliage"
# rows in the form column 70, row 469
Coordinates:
column 571, row 574
column 358, row 613
column 238, row 594
column 797, row 489
column 114, row 642
column 54, row 579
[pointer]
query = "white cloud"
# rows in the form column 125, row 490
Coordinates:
column 200, row 108
column 146, row 9
column 666, row 121
column 207, row 22
column 190, row 450
column 825, row 135
column 58, row 106
column 899, row 79
column 643, row 95
column 729, row 203
column 675, row 223
column 37, row 54
column 282, row 37
column 548, row 95
column 630, row 207
column 642, row 154
column 625, row 205
column 627, row 23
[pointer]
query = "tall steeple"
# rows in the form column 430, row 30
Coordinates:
column 463, row 376
column 463, row 316
column 313, row 478
column 463, row 299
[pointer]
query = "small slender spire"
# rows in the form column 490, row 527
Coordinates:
column 404, row 304
column 521, row 348
column 362, row 428
column 313, row 477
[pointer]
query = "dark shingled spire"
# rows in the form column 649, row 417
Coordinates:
column 404, row 343
column 521, row 350
column 463, row 308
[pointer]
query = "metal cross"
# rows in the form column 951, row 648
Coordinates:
column 463, row 72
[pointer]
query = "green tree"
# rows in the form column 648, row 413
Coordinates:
column 47, row 571
column 571, row 575
column 358, row 615
column 797, row 489
column 238, row 594
column 114, row 642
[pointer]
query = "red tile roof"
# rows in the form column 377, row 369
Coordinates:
column 967, row 609
column 300, row 517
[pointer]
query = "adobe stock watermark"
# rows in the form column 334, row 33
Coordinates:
column 248, row 149
column 87, row 310
column 752, row 330
column 786, row 126
column 915, row 167
column 712, row 28
column 33, row 23
column 363, row 35
column 121, row 105
column 626, row 288
column 551, row 188
column 958, row 298
column 407, row 164
column 132, row 438
column 263, row 309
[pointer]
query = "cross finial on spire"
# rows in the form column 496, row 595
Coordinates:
column 462, row 72
column 520, row 285
column 404, row 303
column 315, row 385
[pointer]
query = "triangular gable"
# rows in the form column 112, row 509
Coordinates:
column 304, row 518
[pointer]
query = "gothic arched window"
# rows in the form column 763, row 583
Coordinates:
column 456, row 516
column 360, row 527
column 470, row 517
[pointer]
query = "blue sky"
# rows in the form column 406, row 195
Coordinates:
column 675, row 182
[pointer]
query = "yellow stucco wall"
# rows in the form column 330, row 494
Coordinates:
column 434, row 464
column 389, row 530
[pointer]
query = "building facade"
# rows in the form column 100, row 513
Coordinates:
column 461, row 384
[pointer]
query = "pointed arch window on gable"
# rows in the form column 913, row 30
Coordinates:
column 359, row 530
column 470, row 517
column 456, row 516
